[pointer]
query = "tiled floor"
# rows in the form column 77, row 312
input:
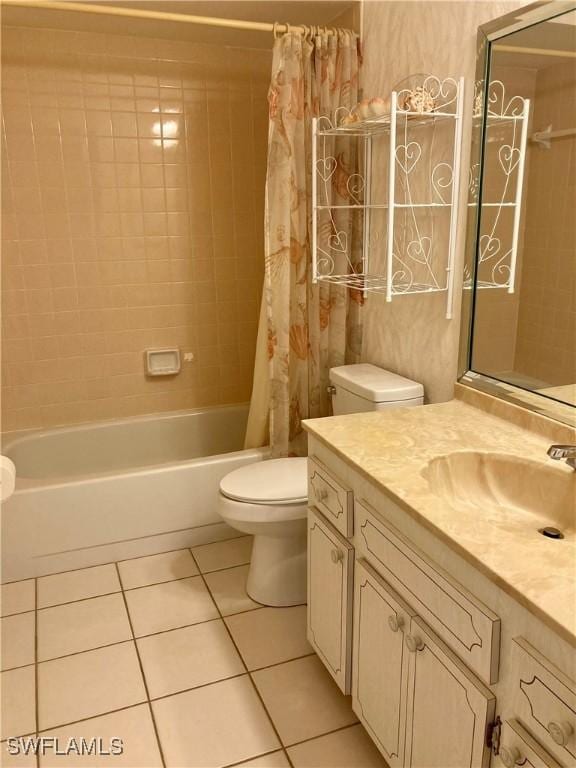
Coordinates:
column 169, row 654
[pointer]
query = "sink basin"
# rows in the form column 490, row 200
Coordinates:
column 509, row 490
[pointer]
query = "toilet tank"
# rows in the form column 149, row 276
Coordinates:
column 365, row 387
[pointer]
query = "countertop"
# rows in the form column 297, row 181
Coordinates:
column 392, row 448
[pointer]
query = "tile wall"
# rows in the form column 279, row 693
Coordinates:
column 546, row 343
column 133, row 196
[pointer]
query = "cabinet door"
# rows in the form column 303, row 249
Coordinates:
column 380, row 662
column 330, row 575
column 448, row 707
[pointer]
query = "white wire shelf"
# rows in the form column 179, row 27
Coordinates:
column 378, row 284
column 504, row 165
column 381, row 125
column 410, row 249
column 377, row 206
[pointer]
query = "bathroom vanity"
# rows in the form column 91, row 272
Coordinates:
column 433, row 598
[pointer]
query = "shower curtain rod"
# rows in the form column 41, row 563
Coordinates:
column 114, row 10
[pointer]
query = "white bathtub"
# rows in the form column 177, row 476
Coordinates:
column 102, row 492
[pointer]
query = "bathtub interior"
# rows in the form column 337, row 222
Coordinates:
column 96, row 449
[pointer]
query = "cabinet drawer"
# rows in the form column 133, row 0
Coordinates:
column 380, row 662
column 460, row 620
column 330, row 584
column 517, row 748
column 545, row 701
column 330, row 497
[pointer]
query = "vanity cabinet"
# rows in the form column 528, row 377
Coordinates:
column 330, row 583
column 414, row 640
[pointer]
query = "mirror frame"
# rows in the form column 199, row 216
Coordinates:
column 487, row 34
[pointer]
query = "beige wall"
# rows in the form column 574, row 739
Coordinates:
column 117, row 239
column 411, row 335
column 546, row 342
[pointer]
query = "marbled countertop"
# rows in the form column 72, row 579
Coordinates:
column 392, row 448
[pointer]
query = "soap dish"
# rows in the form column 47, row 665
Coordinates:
column 162, row 362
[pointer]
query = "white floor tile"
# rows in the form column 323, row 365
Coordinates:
column 17, row 635
column 214, row 726
column 270, row 635
column 186, row 658
column 228, row 589
column 350, row 748
column 18, row 701
column 81, row 626
column 18, row 597
column 89, row 684
column 77, row 585
column 134, row 726
column 157, row 568
column 20, row 760
column 303, row 700
column 170, row 605
column 273, row 760
column 223, row 554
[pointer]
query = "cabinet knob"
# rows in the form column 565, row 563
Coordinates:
column 510, row 756
column 395, row 622
column 414, row 643
column 560, row 732
column 321, row 494
column 337, row 555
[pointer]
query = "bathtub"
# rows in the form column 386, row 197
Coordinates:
column 101, row 492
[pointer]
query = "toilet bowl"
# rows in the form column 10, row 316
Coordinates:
column 269, row 500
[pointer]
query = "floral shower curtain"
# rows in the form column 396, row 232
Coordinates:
column 304, row 328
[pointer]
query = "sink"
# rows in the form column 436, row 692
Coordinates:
column 510, row 490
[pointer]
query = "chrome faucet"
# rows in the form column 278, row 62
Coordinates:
column 567, row 452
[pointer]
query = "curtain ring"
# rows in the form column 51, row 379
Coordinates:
column 275, row 30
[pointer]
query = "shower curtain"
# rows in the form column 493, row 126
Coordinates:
column 304, row 329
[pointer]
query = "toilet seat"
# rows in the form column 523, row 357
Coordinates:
column 282, row 482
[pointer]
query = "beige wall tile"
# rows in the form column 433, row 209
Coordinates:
column 114, row 198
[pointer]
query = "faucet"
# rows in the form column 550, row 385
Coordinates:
column 567, row 452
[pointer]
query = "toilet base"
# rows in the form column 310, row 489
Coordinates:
column 277, row 575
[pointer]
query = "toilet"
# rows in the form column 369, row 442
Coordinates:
column 269, row 499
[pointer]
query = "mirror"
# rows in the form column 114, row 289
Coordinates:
column 520, row 273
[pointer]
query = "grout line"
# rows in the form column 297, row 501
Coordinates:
column 198, row 687
column 80, row 600
column 57, row 726
column 17, row 613
column 36, row 687
column 128, row 559
column 142, row 673
column 254, row 757
column 159, row 583
column 272, row 723
column 328, row 733
column 86, row 650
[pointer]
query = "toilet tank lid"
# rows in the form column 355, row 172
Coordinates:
column 375, row 384
column 268, row 482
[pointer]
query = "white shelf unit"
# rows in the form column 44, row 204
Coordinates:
column 405, row 198
column 505, row 123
